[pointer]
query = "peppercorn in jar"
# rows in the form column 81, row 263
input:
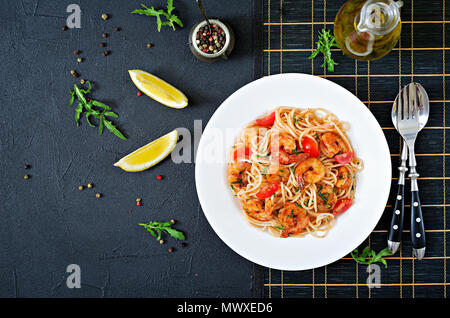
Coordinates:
column 210, row 41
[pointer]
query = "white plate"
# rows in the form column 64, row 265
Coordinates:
column 223, row 210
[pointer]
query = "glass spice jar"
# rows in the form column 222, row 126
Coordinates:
column 211, row 45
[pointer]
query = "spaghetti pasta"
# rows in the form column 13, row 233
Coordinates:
column 294, row 171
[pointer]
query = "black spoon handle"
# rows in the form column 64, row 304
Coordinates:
column 417, row 226
column 395, row 231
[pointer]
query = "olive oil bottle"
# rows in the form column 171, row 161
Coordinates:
column 368, row 29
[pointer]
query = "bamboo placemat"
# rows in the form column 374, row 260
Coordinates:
column 289, row 33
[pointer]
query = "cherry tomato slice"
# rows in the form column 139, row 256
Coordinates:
column 267, row 191
column 342, row 205
column 310, row 147
column 344, row 158
column 267, row 120
column 241, row 152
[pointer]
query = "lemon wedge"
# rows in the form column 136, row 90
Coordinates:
column 150, row 154
column 158, row 89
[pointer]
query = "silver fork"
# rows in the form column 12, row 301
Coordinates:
column 409, row 126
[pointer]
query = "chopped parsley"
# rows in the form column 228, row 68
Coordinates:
column 323, row 196
column 299, row 205
column 264, row 170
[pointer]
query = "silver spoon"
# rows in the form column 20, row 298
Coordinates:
column 423, row 111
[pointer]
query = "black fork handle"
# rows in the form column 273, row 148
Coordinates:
column 395, row 231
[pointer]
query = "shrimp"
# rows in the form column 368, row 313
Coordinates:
column 283, row 141
column 285, row 159
column 293, row 218
column 255, row 209
column 275, row 173
column 344, row 178
column 285, row 153
column 268, row 207
column 287, row 143
column 326, row 198
column 310, row 170
column 249, row 133
column 237, row 177
column 331, row 144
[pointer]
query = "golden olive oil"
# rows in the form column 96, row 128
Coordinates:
column 368, row 29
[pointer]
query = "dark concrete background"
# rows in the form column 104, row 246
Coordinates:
column 46, row 222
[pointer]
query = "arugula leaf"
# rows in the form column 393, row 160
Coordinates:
column 72, row 93
column 78, row 112
column 113, row 129
column 170, row 18
column 162, row 227
column 86, row 106
column 88, row 114
column 170, row 6
column 175, row 234
column 324, row 44
column 111, row 114
column 99, row 104
column 369, row 256
column 100, row 127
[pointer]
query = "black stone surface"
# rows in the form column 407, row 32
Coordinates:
column 46, row 222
